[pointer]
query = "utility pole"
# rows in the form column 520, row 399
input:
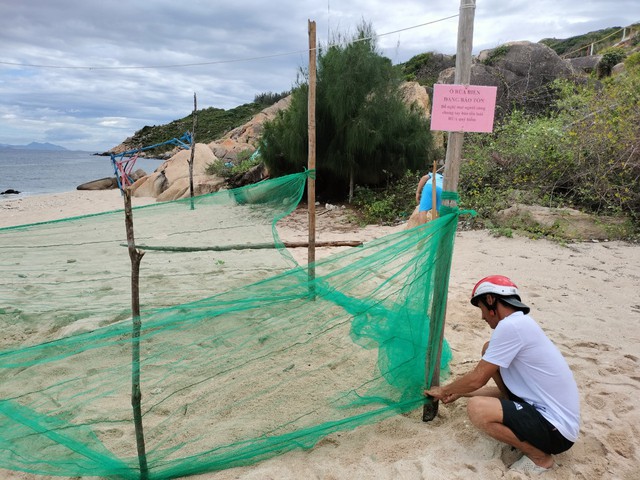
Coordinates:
column 462, row 77
column 311, row 182
column 450, row 184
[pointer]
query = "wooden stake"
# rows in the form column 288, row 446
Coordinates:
column 451, row 174
column 311, row 182
column 193, row 146
column 434, row 193
column 252, row 246
column 136, row 395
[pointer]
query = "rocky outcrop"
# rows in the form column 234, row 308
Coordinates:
column 106, row 183
column 412, row 93
column 586, row 64
column 109, row 183
column 246, row 137
column 522, row 71
column 561, row 222
column 170, row 181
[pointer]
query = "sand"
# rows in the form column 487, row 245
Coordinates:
column 584, row 295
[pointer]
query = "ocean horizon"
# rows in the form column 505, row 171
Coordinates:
column 42, row 172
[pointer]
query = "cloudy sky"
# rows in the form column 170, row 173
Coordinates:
column 65, row 65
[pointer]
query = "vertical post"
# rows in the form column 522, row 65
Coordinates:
column 311, row 182
column 451, row 174
column 136, row 396
column 193, row 147
column 462, row 77
column 434, row 193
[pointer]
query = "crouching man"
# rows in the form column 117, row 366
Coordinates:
column 535, row 406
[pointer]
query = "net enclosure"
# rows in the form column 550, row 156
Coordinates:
column 243, row 354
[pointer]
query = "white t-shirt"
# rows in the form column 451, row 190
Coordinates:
column 534, row 369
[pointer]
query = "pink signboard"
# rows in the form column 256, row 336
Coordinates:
column 460, row 108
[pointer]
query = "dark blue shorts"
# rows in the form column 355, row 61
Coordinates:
column 531, row 427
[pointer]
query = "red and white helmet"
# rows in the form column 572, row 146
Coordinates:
column 501, row 286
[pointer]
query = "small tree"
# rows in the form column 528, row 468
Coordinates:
column 610, row 58
column 365, row 133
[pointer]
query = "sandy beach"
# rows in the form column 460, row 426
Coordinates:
column 584, row 295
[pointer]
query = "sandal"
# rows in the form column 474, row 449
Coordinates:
column 526, row 465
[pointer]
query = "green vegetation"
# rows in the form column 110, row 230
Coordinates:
column 213, row 123
column 425, row 68
column 388, row 205
column 586, row 155
column 581, row 44
column 269, row 98
column 496, row 54
column 610, row 58
column 632, row 62
column 365, row 133
column 581, row 151
column 583, row 154
column 243, row 164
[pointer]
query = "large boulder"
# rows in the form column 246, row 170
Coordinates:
column 246, row 137
column 176, row 171
column 563, row 223
column 522, row 71
column 586, row 64
column 202, row 185
column 412, row 93
column 228, row 149
column 109, row 183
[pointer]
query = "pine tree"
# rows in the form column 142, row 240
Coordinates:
column 365, row 133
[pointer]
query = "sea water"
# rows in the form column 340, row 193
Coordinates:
column 41, row 172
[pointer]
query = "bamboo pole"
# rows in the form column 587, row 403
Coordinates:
column 434, row 193
column 193, row 147
column 451, row 174
column 136, row 396
column 251, row 246
column 311, row 182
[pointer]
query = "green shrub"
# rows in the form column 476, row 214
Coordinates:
column 610, row 58
column 388, row 205
column 496, row 54
column 269, row 98
column 585, row 155
column 632, row 61
column 243, row 163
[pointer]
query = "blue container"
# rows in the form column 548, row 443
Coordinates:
column 426, row 198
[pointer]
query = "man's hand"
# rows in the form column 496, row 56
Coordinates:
column 439, row 394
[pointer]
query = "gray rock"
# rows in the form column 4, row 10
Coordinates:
column 586, row 64
column 522, row 71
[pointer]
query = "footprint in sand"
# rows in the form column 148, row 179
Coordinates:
column 623, row 443
column 595, row 401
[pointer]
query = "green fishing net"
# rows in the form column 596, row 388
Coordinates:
column 244, row 354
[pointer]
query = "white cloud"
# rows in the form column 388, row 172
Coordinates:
column 96, row 109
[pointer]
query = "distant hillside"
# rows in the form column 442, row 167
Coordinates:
column 33, row 146
column 424, row 68
column 212, row 123
column 581, row 45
